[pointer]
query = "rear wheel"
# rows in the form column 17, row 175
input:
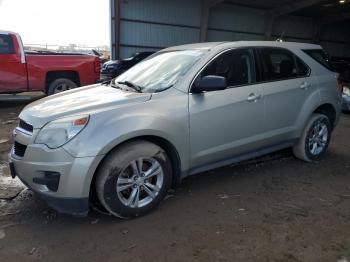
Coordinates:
column 60, row 85
column 315, row 138
column 133, row 179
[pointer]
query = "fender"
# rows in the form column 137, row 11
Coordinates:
column 110, row 141
column 109, row 130
column 312, row 102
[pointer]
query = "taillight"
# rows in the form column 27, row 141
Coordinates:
column 97, row 65
column 341, row 85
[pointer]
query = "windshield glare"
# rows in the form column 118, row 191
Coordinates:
column 161, row 71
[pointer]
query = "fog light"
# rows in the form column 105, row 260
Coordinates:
column 51, row 180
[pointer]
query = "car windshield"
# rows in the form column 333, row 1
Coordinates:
column 161, row 71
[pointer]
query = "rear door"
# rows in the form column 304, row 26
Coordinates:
column 13, row 75
column 286, row 86
column 228, row 123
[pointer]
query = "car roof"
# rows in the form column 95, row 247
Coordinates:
column 203, row 46
column 211, row 45
column 3, row 32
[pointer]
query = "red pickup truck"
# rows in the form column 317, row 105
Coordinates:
column 47, row 72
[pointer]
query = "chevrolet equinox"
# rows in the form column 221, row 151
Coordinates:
column 182, row 111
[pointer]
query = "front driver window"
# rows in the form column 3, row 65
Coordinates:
column 237, row 66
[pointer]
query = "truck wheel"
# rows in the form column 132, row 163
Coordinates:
column 60, row 85
column 133, row 179
column 315, row 138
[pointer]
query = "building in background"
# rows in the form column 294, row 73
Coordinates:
column 138, row 25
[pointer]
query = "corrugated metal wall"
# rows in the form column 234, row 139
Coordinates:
column 336, row 39
column 155, row 24
column 233, row 23
column 228, row 22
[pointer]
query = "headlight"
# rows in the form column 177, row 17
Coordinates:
column 346, row 91
column 60, row 131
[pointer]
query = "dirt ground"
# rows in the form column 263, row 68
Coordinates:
column 275, row 208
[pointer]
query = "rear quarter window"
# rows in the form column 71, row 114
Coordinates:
column 302, row 69
column 320, row 56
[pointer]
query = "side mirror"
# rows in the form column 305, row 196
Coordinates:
column 210, row 83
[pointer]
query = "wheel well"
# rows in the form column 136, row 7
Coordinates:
column 161, row 142
column 329, row 111
column 171, row 152
column 53, row 75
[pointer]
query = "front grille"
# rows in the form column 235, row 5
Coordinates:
column 19, row 149
column 24, row 125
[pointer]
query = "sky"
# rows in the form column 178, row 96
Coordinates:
column 57, row 22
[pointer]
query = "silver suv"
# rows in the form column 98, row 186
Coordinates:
column 182, row 111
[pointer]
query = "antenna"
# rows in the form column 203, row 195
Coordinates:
column 280, row 39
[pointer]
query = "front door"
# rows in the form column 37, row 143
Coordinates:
column 13, row 75
column 226, row 124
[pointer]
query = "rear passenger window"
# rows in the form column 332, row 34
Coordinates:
column 302, row 69
column 278, row 64
column 6, row 45
column 237, row 66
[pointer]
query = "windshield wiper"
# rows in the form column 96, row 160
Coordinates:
column 106, row 83
column 131, row 85
column 110, row 83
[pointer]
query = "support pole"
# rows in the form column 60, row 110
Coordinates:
column 318, row 26
column 116, row 47
column 269, row 27
column 205, row 11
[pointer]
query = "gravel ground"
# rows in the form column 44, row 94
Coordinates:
column 274, row 208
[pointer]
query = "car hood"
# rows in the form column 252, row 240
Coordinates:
column 84, row 100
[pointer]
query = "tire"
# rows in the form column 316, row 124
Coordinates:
column 60, row 85
column 119, row 182
column 311, row 146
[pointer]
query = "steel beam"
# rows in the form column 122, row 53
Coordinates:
column 318, row 27
column 293, row 6
column 116, row 24
column 269, row 26
column 205, row 13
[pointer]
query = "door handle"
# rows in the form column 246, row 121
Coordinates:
column 253, row 97
column 305, row 85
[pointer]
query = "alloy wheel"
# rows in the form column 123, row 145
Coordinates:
column 318, row 138
column 140, row 182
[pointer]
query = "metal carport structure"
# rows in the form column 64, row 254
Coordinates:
column 140, row 25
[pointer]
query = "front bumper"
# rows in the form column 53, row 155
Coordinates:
column 346, row 103
column 78, row 207
column 72, row 175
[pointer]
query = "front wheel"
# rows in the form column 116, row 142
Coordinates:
column 133, row 179
column 315, row 138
